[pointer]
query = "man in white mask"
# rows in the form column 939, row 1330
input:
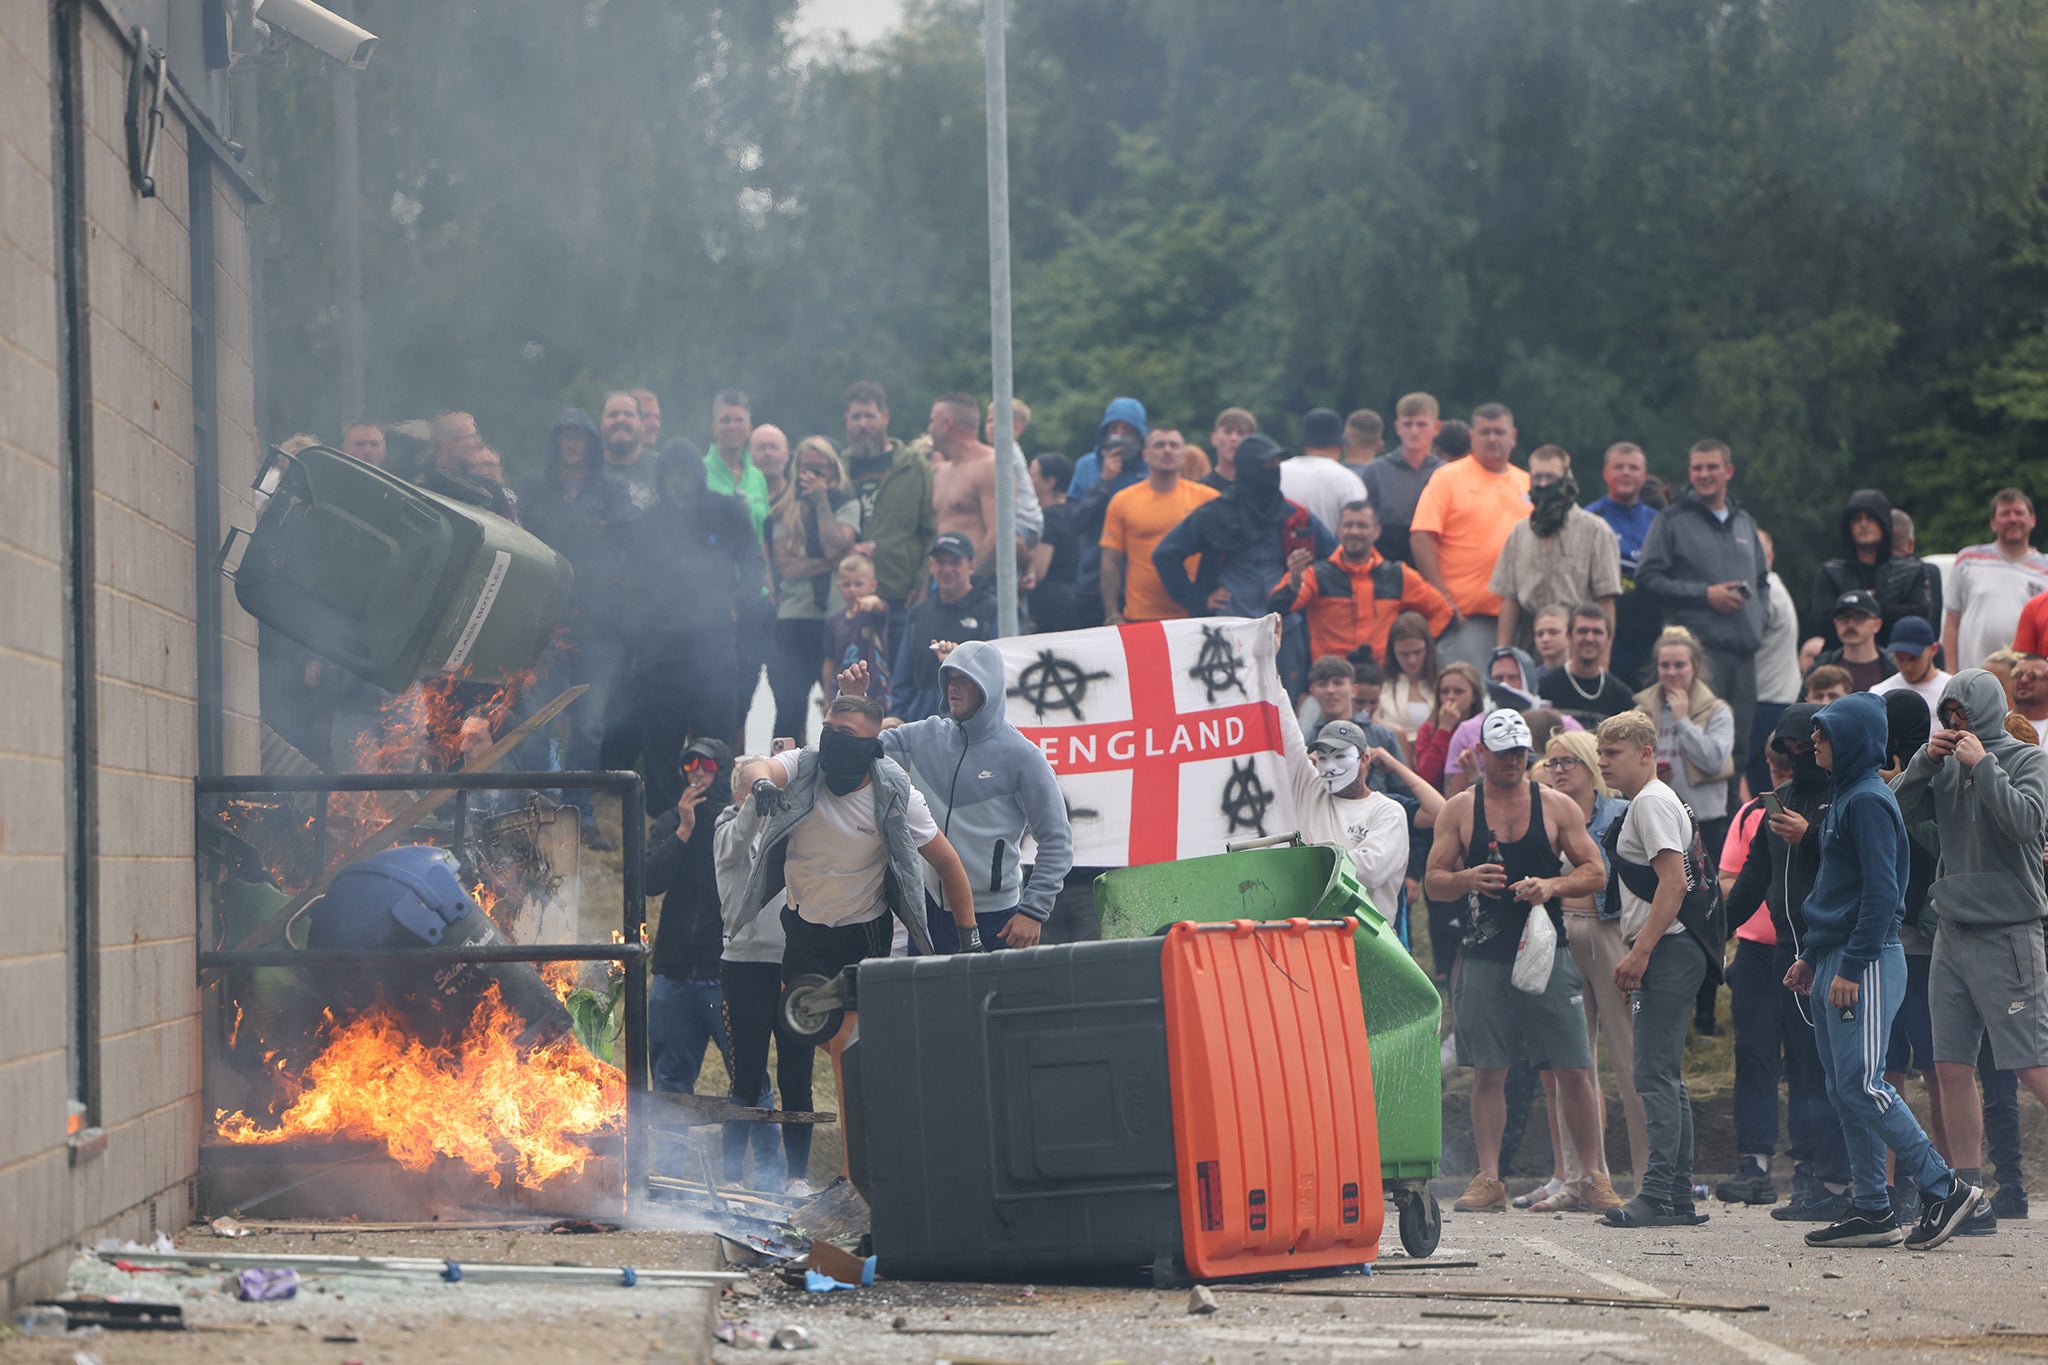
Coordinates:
column 1335, row 806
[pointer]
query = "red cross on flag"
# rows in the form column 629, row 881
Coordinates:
column 1164, row 735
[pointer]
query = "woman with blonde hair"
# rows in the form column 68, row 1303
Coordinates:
column 811, row 527
column 1593, row 933
column 1695, row 732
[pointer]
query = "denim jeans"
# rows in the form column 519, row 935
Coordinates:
column 684, row 1018
column 1852, row 1045
column 1661, row 1007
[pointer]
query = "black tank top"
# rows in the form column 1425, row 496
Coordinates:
column 1494, row 923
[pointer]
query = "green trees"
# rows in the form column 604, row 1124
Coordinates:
column 1815, row 231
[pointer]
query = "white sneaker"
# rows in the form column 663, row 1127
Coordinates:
column 798, row 1189
column 1447, row 1055
column 1541, row 1192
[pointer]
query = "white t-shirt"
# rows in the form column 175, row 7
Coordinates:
column 1986, row 591
column 837, row 855
column 1655, row 821
column 1371, row 829
column 1321, row 485
column 1930, row 691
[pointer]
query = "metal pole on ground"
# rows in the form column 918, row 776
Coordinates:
column 1001, row 421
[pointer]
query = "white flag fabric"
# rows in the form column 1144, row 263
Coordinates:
column 1165, row 735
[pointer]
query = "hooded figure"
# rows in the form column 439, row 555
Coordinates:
column 1991, row 816
column 1859, row 891
column 577, row 510
column 1089, row 494
column 1903, row 586
column 988, row 786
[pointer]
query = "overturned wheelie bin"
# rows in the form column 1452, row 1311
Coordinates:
column 1403, row 1011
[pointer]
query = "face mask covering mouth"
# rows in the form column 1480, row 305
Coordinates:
column 1549, row 505
column 845, row 760
column 1338, row 768
column 1261, row 476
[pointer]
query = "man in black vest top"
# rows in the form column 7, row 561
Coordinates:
column 1497, row 848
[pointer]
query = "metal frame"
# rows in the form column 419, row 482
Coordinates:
column 632, row 953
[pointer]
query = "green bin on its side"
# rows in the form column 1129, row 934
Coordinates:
column 395, row 583
column 1313, row 881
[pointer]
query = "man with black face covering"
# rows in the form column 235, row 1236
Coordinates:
column 689, row 560
column 848, row 837
column 1560, row 555
column 1243, row 540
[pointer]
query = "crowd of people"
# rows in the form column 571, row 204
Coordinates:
column 1615, row 711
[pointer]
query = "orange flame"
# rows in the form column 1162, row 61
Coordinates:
column 476, row 1102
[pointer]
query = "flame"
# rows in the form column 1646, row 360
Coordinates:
column 475, row 1102
column 562, row 977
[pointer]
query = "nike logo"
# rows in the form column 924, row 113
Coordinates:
column 2015, row 1007
column 985, row 773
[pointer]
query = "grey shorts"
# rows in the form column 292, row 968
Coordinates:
column 1499, row 1025
column 1989, row 981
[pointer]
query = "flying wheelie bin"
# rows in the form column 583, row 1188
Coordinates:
column 1288, row 879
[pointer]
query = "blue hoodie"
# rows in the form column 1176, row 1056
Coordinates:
column 1088, row 468
column 986, row 785
column 1859, row 894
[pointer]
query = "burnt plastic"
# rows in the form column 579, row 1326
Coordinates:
column 1277, row 1147
column 1009, row 1116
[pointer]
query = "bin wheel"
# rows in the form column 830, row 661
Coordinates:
column 810, row 1010
column 1422, row 1223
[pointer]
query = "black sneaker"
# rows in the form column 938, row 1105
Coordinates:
column 1860, row 1229
column 1752, row 1186
column 1819, row 1206
column 1941, row 1218
column 2009, row 1201
column 1982, row 1223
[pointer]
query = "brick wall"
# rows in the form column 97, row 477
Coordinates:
column 138, row 272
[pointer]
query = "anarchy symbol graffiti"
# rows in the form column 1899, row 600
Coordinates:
column 1050, row 683
column 1218, row 668
column 1245, row 799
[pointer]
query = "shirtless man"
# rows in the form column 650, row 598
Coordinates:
column 964, row 476
column 1498, row 850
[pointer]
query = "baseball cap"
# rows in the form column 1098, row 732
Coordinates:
column 1338, row 733
column 1505, row 731
column 1912, row 635
column 953, row 543
column 1858, row 600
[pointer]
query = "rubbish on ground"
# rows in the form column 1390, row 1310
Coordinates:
column 836, row 1212
column 134, row 1269
column 740, row 1335
column 1510, row 1296
column 901, row 1330
column 752, row 1250
column 116, row 1316
column 1201, row 1299
column 42, row 1320
column 346, row 1338
column 818, row 1282
column 227, row 1227
column 260, row 1284
column 790, row 1338
column 841, row 1265
column 433, row 1267
column 581, row 1225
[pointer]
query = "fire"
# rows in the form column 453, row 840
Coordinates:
column 476, row 1102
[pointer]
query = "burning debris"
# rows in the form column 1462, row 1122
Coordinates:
column 472, row 1099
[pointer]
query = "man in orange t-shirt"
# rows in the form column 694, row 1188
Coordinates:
column 1461, row 522
column 1137, row 520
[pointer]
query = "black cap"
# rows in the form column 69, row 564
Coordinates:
column 953, row 543
column 1258, row 448
column 1860, row 601
column 1321, row 429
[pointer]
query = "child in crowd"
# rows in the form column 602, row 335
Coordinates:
column 859, row 633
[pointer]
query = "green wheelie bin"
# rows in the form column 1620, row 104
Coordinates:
column 392, row 582
column 1284, row 879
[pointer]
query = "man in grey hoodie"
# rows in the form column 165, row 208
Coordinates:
column 1989, row 794
column 986, row 785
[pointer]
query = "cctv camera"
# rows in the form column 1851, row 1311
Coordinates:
column 320, row 28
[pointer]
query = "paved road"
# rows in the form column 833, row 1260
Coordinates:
column 1978, row 1298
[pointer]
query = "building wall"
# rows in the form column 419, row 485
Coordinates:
column 143, row 1038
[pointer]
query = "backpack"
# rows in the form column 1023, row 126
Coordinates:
column 1701, row 912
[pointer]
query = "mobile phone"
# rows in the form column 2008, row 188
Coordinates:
column 1772, row 805
column 782, row 745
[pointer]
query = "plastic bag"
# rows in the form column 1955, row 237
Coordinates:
column 1536, row 954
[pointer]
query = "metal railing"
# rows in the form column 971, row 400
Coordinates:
column 632, row 952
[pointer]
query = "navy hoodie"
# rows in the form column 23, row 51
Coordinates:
column 1859, row 894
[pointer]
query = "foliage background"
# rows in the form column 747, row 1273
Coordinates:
column 1816, row 231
